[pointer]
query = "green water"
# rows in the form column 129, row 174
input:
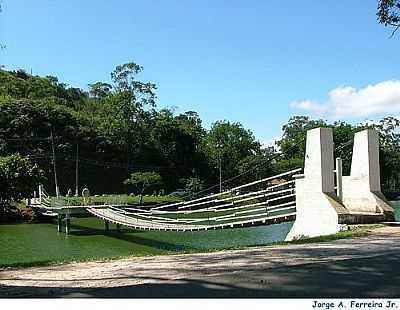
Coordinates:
column 396, row 206
column 41, row 243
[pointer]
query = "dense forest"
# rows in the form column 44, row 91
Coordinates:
column 117, row 129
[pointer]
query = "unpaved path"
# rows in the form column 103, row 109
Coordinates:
column 361, row 267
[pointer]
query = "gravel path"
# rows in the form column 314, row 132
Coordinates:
column 362, row 267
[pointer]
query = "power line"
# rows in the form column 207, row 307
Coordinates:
column 248, row 171
column 344, row 144
column 120, row 165
column 94, row 162
column 340, row 147
column 30, row 139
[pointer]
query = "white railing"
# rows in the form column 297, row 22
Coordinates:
column 268, row 199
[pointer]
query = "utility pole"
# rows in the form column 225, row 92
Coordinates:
column 220, row 173
column 76, row 171
column 54, row 163
column 219, row 148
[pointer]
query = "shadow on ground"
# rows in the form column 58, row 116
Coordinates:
column 359, row 277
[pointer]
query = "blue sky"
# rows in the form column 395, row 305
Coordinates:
column 255, row 62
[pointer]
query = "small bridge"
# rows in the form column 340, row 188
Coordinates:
column 321, row 201
column 266, row 201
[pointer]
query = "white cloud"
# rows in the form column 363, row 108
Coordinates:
column 377, row 99
column 309, row 105
column 387, row 126
column 270, row 142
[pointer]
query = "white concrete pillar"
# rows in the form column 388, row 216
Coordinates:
column 365, row 161
column 362, row 189
column 317, row 206
column 318, row 164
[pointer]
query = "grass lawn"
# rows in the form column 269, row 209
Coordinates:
column 122, row 199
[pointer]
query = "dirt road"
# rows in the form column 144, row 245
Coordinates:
column 362, row 267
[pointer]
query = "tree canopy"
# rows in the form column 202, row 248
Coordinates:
column 119, row 130
column 389, row 13
column 143, row 181
column 18, row 176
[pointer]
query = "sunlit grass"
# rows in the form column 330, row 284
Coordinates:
column 122, row 199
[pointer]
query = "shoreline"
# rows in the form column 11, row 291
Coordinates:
column 355, row 231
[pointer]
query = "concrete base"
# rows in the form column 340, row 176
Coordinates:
column 361, row 218
column 384, row 205
column 362, row 189
column 358, row 198
column 322, row 214
column 317, row 213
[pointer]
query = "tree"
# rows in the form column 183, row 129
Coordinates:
column 109, row 128
column 124, row 75
column 226, row 144
column 2, row 46
column 138, row 93
column 175, row 142
column 143, row 181
column 292, row 143
column 261, row 165
column 389, row 13
column 389, row 134
column 191, row 123
column 192, row 185
column 99, row 89
column 18, row 179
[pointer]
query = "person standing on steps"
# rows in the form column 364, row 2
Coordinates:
column 85, row 195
